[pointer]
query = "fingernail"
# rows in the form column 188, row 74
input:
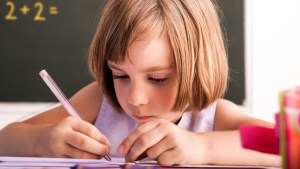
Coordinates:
column 107, row 142
column 121, row 150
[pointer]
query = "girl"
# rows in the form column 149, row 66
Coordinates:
column 161, row 71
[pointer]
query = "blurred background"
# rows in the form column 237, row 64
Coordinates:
column 262, row 38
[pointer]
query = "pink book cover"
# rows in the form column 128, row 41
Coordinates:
column 291, row 134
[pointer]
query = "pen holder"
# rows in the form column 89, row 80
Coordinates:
column 284, row 138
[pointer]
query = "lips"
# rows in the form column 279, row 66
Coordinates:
column 143, row 118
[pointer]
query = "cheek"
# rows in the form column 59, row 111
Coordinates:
column 165, row 97
column 120, row 90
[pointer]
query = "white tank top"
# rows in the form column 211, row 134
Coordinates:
column 116, row 126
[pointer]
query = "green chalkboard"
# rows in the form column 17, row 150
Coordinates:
column 55, row 35
column 233, row 22
column 59, row 44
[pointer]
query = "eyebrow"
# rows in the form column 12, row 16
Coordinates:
column 151, row 69
column 112, row 66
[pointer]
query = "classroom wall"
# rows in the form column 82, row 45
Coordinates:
column 272, row 53
column 55, row 35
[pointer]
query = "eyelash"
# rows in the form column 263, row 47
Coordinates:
column 155, row 80
column 161, row 80
column 120, row 76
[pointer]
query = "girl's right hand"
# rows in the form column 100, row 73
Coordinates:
column 72, row 138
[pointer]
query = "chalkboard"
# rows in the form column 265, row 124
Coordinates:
column 55, row 35
column 233, row 22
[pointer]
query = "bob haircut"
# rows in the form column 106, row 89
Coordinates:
column 193, row 30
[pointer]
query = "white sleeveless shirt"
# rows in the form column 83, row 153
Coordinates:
column 116, row 126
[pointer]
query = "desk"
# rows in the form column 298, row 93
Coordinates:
column 10, row 112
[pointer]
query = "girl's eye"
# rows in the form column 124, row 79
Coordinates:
column 120, row 76
column 157, row 80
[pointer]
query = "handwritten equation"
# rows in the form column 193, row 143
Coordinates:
column 38, row 9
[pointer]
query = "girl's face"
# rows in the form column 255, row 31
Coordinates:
column 146, row 83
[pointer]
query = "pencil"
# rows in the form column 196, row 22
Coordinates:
column 61, row 97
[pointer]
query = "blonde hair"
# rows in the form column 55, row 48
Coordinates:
column 195, row 36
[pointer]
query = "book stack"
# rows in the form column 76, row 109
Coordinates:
column 289, row 122
column 284, row 138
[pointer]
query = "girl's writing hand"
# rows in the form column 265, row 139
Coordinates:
column 165, row 142
column 72, row 138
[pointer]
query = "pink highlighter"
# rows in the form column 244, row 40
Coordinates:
column 61, row 97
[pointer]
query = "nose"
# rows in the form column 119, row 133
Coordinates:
column 138, row 94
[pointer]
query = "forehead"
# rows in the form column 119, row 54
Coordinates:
column 151, row 52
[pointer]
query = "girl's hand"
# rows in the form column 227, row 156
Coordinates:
column 165, row 142
column 72, row 138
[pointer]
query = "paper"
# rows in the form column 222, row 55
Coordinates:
column 64, row 163
column 115, row 160
column 25, row 162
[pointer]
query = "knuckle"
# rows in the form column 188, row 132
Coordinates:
column 133, row 157
column 151, row 154
column 68, row 120
column 83, row 143
column 172, row 137
column 129, row 157
column 143, row 140
column 89, row 133
column 167, row 159
column 80, row 154
column 162, row 121
column 140, row 130
column 164, row 162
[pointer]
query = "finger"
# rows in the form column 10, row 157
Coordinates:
column 156, row 150
column 167, row 158
column 73, row 152
column 142, row 156
column 145, row 141
column 91, row 131
column 85, row 143
column 131, row 139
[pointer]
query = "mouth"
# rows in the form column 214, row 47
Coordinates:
column 143, row 118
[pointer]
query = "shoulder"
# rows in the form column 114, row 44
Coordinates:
column 230, row 116
column 87, row 101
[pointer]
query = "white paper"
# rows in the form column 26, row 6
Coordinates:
column 60, row 160
column 61, row 163
column 71, row 162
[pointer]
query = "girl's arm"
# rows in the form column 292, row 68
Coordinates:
column 224, row 148
column 55, row 133
column 225, row 145
column 229, row 117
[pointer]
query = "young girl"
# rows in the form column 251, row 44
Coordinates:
column 161, row 71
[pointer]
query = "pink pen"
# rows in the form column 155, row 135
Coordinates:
column 61, row 97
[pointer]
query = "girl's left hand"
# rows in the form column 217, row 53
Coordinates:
column 165, row 142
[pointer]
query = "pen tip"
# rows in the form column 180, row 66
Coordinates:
column 107, row 158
